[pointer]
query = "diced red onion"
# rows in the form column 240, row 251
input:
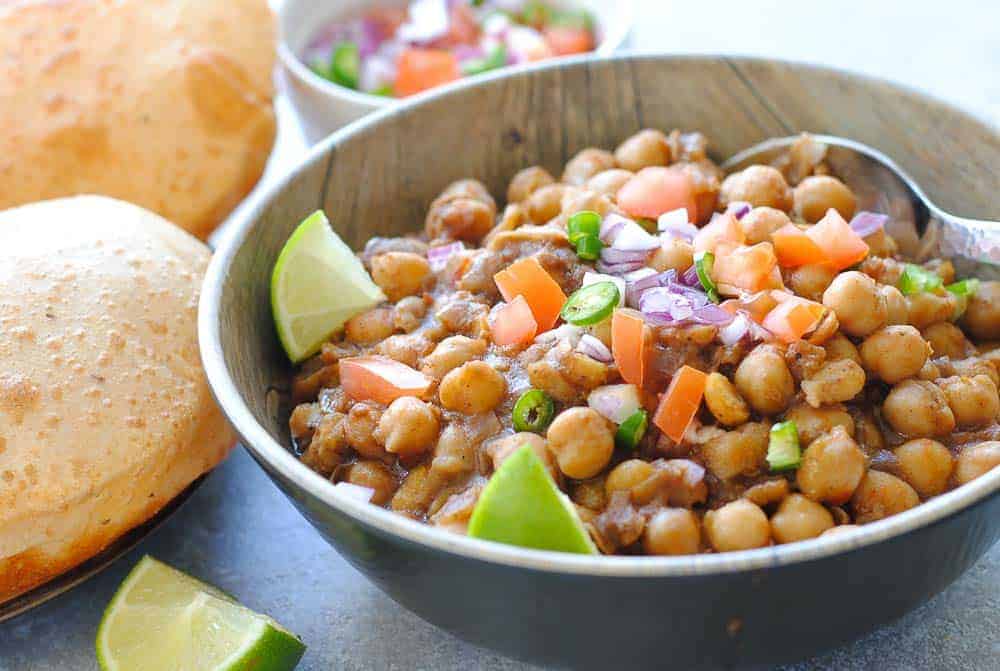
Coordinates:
column 868, row 223
column 735, row 331
column 357, row 492
column 610, row 226
column 565, row 332
column 675, row 224
column 593, row 348
column 467, row 52
column 370, row 37
column 637, row 275
column 632, row 237
column 525, row 44
column 618, row 268
column 594, row 278
column 615, row 402
column 496, row 25
column 612, row 255
column 738, row 209
column 690, row 277
column 427, row 21
column 438, row 256
column 712, row 315
column 676, row 303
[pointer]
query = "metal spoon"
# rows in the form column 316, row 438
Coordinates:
column 921, row 228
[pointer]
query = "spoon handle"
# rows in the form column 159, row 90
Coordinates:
column 972, row 244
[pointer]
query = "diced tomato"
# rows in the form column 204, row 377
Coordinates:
column 513, row 323
column 628, row 345
column 422, row 69
column 680, row 403
column 793, row 318
column 380, row 379
column 462, row 26
column 841, row 246
column 655, row 190
column 721, row 235
column 756, row 305
column 565, row 41
column 746, row 268
column 794, row 248
column 526, row 277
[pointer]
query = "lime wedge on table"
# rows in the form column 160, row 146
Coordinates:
column 317, row 285
column 521, row 505
column 164, row 620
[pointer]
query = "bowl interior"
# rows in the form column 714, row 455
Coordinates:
column 377, row 177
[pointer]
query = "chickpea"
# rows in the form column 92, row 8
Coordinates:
column 586, row 164
column 840, row 347
column 590, row 494
column 759, row 223
column 860, row 307
column 545, row 203
column 376, row 476
column 835, row 382
column 881, row 243
column 840, row 529
column 832, row 466
column 526, row 182
column 929, row 371
column 672, row 531
column 973, row 400
column 460, row 219
column 764, row 380
column 815, row 422
column 646, row 148
column 408, row 427
column 400, row 274
column 868, row 434
column 819, row 193
column 810, row 281
column 926, row 465
column 969, row 367
column 451, row 353
column 500, row 449
column 724, row 402
column 738, row 452
column 582, row 442
column 609, row 182
column 768, row 492
column 799, row 518
column 359, row 429
column 946, row 339
column 894, row 353
column 627, row 475
column 574, row 201
column 370, row 327
column 472, row 388
column 897, row 310
column 880, row 495
column 759, row 185
column 918, row 409
column 982, row 316
column 415, row 492
column 674, row 254
column 976, row 461
column 926, row 308
column 739, row 525
column 467, row 188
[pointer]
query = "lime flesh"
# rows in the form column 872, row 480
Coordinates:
column 164, row 620
column 521, row 505
column 317, row 285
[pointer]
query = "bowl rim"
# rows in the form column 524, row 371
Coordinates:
column 276, row 458
column 610, row 43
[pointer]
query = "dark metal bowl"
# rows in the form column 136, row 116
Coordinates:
column 741, row 609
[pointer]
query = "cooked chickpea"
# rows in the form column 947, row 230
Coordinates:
column 926, row 308
column 460, row 219
column 370, row 327
column 894, row 353
column 467, row 188
column 724, row 401
column 609, row 182
column 738, row 452
column 739, row 525
column 764, row 380
column 526, row 182
column 673, row 253
column 472, row 388
column 926, row 465
column 810, row 281
column 840, row 529
column 929, row 371
column 451, row 353
column 976, row 461
column 586, row 164
column 840, row 347
column 645, row 148
column 897, row 311
column 545, row 203
column 973, row 400
column 798, row 519
column 860, row 306
column 868, row 434
column 400, row 274
column 759, row 223
column 376, row 476
column 832, row 466
column 814, row 422
column 500, row 449
column 672, row 531
column 918, row 409
column 817, row 194
column 881, row 243
column 836, row 382
column 574, row 201
column 408, row 427
column 590, row 494
column 759, row 185
column 982, row 316
column 946, row 339
column 627, row 475
column 359, row 429
column 582, row 442
column 880, row 495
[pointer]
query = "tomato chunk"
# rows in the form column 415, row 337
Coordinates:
column 795, row 248
column 380, row 379
column 655, row 190
column 628, row 345
column 721, row 235
column 680, row 403
column 421, row 69
column 841, row 246
column 513, row 323
column 565, row 41
column 526, row 277
column 746, row 268
column 793, row 318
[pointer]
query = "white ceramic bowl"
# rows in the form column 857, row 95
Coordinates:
column 323, row 106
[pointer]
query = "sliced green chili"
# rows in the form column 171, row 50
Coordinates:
column 648, row 225
column 631, row 431
column 585, row 224
column 966, row 288
column 591, row 304
column 916, row 279
column 783, row 452
column 589, row 248
column 703, row 263
column 345, row 64
column 497, row 58
column 533, row 411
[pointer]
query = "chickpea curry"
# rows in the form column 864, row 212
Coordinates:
column 701, row 362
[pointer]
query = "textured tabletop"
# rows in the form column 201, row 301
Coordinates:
column 240, row 533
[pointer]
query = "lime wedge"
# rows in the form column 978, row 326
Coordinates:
column 317, row 285
column 164, row 620
column 521, row 505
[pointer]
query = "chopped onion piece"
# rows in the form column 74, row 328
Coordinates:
column 612, row 255
column 616, row 402
column 738, row 208
column 438, row 256
column 594, row 278
column 632, row 237
column 610, row 226
column 735, row 331
column 357, row 492
column 637, row 275
column 566, row 332
column 594, row 348
column 675, row 224
column 427, row 21
column 496, row 24
column 618, row 268
column 868, row 223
